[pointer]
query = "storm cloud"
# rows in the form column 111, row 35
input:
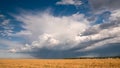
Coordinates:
column 68, row 36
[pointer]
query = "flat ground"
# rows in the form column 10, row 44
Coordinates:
column 59, row 63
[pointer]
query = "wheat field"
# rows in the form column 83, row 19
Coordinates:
column 59, row 63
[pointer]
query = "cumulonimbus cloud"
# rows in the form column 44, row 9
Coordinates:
column 57, row 37
column 49, row 29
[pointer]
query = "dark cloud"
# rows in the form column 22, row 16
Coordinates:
column 109, row 25
column 47, row 53
column 100, row 27
column 50, row 53
column 90, row 31
column 104, row 4
column 112, row 49
column 106, row 50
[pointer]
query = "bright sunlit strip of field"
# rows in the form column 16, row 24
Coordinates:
column 59, row 63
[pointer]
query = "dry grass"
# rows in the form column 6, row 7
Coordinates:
column 59, row 63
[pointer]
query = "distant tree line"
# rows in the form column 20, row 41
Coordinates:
column 108, row 57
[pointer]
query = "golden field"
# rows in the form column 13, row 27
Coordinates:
column 59, row 63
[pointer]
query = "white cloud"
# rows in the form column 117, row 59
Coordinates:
column 10, row 44
column 14, row 55
column 50, row 31
column 22, row 33
column 115, row 15
column 46, row 23
column 12, row 50
column 2, row 16
column 7, row 28
column 69, row 2
column 5, row 22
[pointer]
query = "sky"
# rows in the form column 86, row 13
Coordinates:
column 59, row 28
